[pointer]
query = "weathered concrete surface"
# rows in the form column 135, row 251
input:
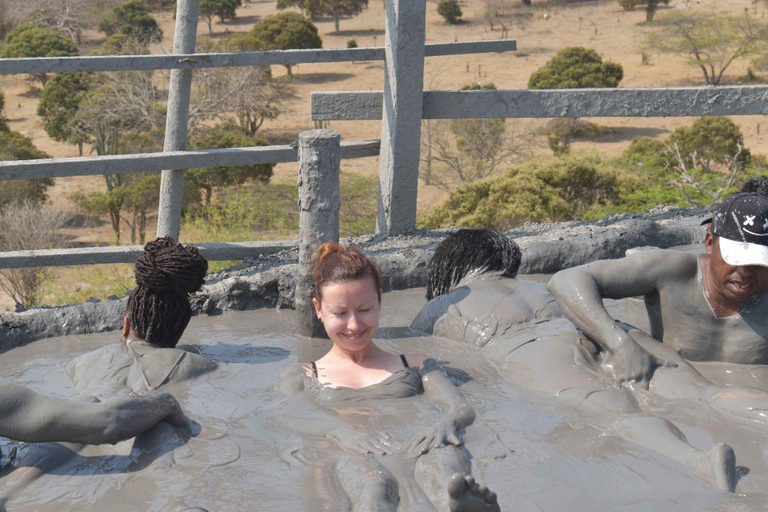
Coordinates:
column 319, row 204
column 401, row 116
column 269, row 281
column 639, row 102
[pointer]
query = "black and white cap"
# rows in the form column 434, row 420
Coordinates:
column 741, row 222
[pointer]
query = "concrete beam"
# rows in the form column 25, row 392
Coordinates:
column 401, row 116
column 128, row 254
column 115, row 164
column 645, row 102
column 220, row 60
column 319, row 204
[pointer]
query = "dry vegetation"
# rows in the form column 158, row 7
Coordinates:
column 616, row 34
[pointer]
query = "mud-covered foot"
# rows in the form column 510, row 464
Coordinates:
column 466, row 495
column 717, row 466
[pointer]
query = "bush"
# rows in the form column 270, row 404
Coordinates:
column 450, row 10
column 561, row 132
column 351, row 43
column 132, row 19
column 59, row 104
column 574, row 68
column 226, row 136
column 3, row 120
column 15, row 146
column 28, row 226
column 283, row 31
column 548, row 190
column 28, row 40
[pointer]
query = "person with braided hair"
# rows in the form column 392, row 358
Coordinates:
column 158, row 312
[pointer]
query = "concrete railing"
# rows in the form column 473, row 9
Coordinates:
column 405, row 39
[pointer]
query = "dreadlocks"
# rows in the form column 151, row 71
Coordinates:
column 166, row 272
column 470, row 250
column 758, row 184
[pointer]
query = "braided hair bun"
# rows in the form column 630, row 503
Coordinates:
column 166, row 272
column 166, row 266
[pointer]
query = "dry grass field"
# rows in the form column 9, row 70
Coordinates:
column 602, row 25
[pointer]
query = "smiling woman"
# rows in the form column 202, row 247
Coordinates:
column 356, row 374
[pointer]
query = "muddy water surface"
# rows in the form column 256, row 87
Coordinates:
column 533, row 453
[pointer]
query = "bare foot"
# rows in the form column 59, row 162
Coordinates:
column 467, row 496
column 717, row 466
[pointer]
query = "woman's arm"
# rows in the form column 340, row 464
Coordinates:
column 30, row 416
column 458, row 413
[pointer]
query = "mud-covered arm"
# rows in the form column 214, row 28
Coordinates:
column 580, row 292
column 458, row 414
column 30, row 416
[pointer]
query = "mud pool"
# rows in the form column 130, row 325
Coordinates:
column 535, row 454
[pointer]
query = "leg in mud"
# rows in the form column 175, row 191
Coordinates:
column 565, row 367
column 444, row 474
column 369, row 486
column 684, row 381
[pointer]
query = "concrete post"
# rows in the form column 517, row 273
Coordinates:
column 169, row 209
column 401, row 116
column 319, row 203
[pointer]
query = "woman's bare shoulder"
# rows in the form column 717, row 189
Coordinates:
column 292, row 378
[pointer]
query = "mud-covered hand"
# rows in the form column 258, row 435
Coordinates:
column 377, row 443
column 631, row 363
column 442, row 432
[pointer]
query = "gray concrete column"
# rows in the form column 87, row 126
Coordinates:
column 401, row 116
column 319, row 203
column 172, row 183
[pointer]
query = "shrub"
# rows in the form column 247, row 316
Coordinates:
column 561, row 132
column 576, row 67
column 132, row 19
column 283, row 31
column 351, row 43
column 15, row 146
column 450, row 10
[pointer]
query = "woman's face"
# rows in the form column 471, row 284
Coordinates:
column 350, row 312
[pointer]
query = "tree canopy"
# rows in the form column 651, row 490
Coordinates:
column 226, row 136
column 576, row 67
column 132, row 19
column 336, row 9
column 224, row 9
column 283, row 31
column 59, row 104
column 15, row 146
column 450, row 10
column 710, row 42
column 28, row 40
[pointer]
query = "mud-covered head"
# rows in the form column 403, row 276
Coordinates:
column 757, row 185
column 338, row 264
column 166, row 273
column 471, row 251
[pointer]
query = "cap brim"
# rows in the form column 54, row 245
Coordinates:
column 741, row 254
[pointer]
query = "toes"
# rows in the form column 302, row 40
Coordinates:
column 457, row 486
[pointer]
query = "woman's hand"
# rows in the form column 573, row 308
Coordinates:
column 442, row 432
column 376, row 443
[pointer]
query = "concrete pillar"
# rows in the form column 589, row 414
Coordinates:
column 319, row 203
column 169, row 209
column 401, row 116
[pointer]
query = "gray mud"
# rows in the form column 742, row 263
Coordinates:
column 269, row 281
column 535, row 453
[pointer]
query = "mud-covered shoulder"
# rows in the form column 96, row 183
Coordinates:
column 293, row 379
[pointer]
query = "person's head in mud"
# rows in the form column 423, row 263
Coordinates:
column 735, row 268
column 757, row 185
column 158, row 308
column 347, row 295
column 471, row 251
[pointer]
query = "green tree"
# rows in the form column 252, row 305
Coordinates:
column 29, row 40
column 545, row 190
column 224, row 9
column 450, row 10
column 132, row 19
column 225, row 136
column 59, row 104
column 283, row 31
column 336, row 9
column 576, row 67
column 651, row 6
column 710, row 42
column 15, row 146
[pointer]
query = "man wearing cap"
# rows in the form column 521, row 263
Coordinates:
column 709, row 307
